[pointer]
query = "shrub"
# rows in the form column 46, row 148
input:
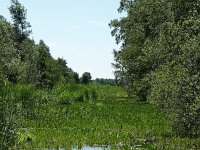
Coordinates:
column 177, row 91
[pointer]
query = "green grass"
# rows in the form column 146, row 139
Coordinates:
column 111, row 122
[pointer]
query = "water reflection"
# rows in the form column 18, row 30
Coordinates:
column 83, row 148
column 91, row 148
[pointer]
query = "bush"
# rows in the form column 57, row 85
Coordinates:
column 177, row 91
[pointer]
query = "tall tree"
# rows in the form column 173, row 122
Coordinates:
column 9, row 61
column 86, row 78
column 20, row 24
column 43, row 64
column 76, row 77
column 134, row 31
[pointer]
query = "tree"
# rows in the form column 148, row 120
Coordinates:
column 141, row 25
column 86, row 78
column 9, row 60
column 21, row 26
column 64, row 73
column 28, row 70
column 76, row 77
column 44, row 64
column 105, row 81
column 119, row 69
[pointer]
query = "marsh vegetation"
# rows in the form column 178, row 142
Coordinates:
column 70, row 116
column 154, row 102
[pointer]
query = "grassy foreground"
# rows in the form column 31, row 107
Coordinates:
column 117, row 123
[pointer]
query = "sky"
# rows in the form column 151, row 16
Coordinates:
column 76, row 30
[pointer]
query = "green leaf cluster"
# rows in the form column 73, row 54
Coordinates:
column 159, row 58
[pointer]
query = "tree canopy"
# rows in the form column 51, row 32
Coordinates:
column 25, row 61
column 86, row 78
column 159, row 58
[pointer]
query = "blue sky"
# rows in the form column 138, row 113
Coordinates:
column 76, row 30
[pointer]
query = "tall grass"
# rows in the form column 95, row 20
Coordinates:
column 78, row 92
column 70, row 116
column 9, row 116
column 75, row 115
column 18, row 103
column 121, row 124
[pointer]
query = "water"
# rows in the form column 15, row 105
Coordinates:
column 83, row 148
column 91, row 148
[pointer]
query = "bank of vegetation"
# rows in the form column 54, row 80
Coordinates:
column 159, row 60
column 154, row 102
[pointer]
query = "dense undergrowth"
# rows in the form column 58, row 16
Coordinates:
column 76, row 115
column 21, row 103
column 114, row 123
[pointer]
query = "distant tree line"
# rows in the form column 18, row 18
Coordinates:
column 105, row 81
column 159, row 60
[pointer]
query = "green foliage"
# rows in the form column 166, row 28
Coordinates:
column 21, row 26
column 28, row 71
column 113, row 123
column 105, row 81
column 70, row 93
column 107, row 91
column 94, row 94
column 76, row 77
column 9, row 61
column 9, row 114
column 24, row 61
column 51, row 71
column 159, row 57
column 28, row 97
column 86, row 78
column 64, row 98
column 177, row 81
column 175, row 90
